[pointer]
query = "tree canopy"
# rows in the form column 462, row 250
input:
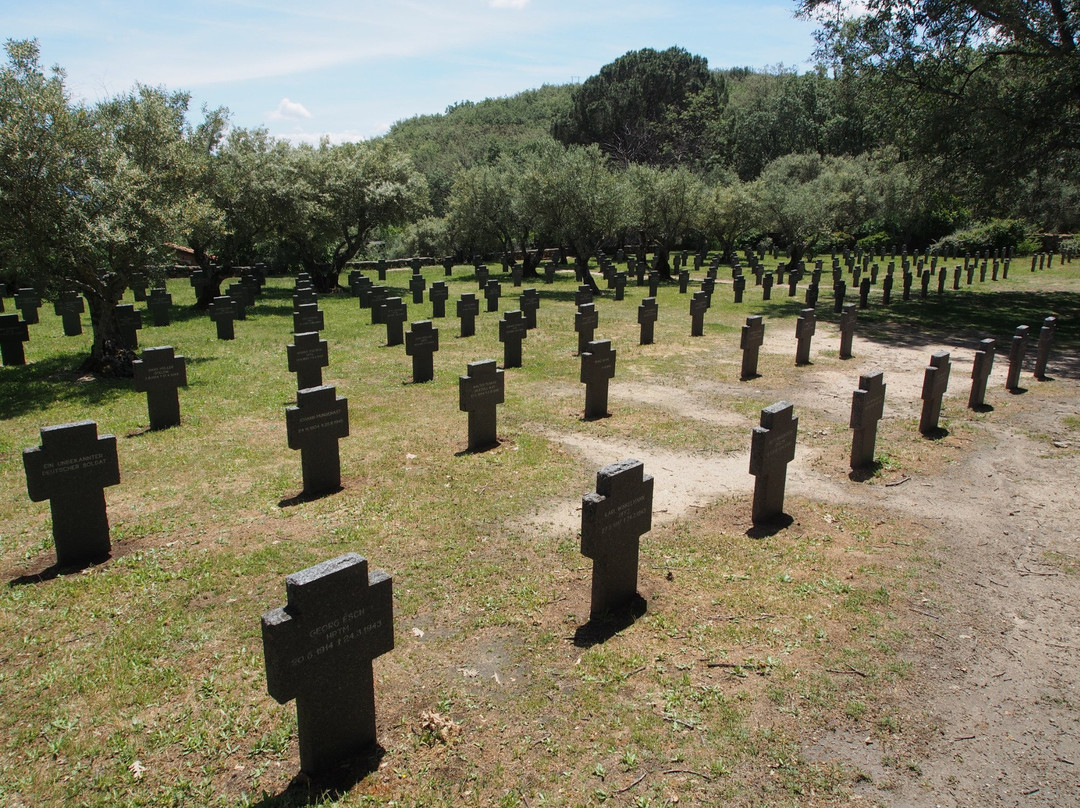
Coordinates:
column 644, row 107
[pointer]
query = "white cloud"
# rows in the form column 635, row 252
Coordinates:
column 517, row 5
column 289, row 110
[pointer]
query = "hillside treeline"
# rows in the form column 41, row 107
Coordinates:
column 927, row 125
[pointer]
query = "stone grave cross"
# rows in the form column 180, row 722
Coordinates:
column 646, row 317
column 71, row 469
column 13, row 333
column 613, row 520
column 597, row 368
column 128, row 320
column 468, row 306
column 421, row 343
column 935, row 383
column 314, row 426
column 699, row 304
column 1016, row 358
column 867, row 407
column 1046, row 339
column 308, row 317
column 223, row 312
column 158, row 374
column 512, row 330
column 772, row 447
column 753, row 335
column 980, row 373
column 848, row 317
column 478, row 394
column 69, row 306
column 805, row 327
column 585, row 322
column 319, row 649
column 307, row 356
column 159, row 304
column 28, row 301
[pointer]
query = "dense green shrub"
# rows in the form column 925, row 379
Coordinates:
column 995, row 234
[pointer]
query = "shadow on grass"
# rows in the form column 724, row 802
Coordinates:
column 489, row 447
column 762, row 530
column 325, row 788
column 301, row 498
column 970, row 317
column 38, row 385
column 603, row 627
column 54, row 570
column 864, row 473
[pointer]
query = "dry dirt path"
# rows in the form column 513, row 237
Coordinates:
column 992, row 710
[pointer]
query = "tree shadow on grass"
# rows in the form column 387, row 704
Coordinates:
column 36, row 386
column 327, row 787
column 968, row 317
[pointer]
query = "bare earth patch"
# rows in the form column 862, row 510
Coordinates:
column 993, row 717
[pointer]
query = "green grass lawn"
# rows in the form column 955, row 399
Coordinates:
column 140, row 681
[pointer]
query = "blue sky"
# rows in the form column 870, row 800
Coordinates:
column 350, row 69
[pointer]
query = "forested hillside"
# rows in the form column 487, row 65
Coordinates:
column 923, row 125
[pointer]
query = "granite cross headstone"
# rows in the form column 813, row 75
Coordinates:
column 307, row 356
column 394, row 314
column 772, row 447
column 421, row 343
column 159, row 304
column 13, row 333
column 158, row 374
column 585, row 322
column 805, row 328
column 319, row 650
column 128, row 321
column 314, row 426
column 478, row 394
column 646, row 317
column 597, row 368
column 867, row 407
column 28, row 301
column 613, row 520
column 529, row 302
column 492, row 293
column 308, row 317
column 1046, row 340
column 980, row 373
column 752, row 336
column 848, row 317
column 468, row 307
column 438, row 294
column 223, row 312
column 69, row 306
column 935, row 383
column 1016, row 358
column 512, row 330
column 699, row 304
column 71, row 469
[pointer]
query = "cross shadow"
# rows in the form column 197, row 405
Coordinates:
column 1017, row 391
column 864, row 473
column 763, row 530
column 749, row 377
column 305, row 789
column 590, row 418
column 603, row 627
column 479, row 449
column 55, row 570
column 937, row 433
column 302, row 497
column 982, row 408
